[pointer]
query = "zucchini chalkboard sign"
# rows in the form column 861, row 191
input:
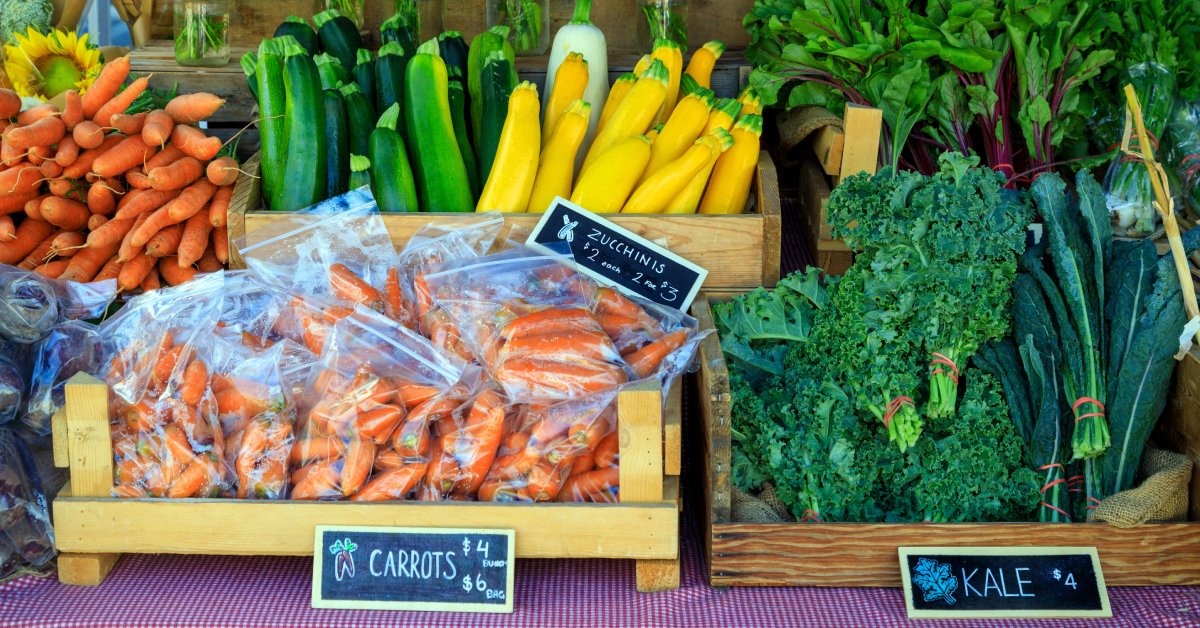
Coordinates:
column 422, row 569
column 994, row 582
column 618, row 256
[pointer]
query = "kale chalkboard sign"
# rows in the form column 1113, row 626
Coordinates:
column 618, row 256
column 423, row 569
column 979, row 582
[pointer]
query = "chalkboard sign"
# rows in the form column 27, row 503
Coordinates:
column 422, row 569
column 618, row 256
column 979, row 582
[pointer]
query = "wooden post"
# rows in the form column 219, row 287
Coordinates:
column 640, row 425
column 90, row 457
column 861, row 153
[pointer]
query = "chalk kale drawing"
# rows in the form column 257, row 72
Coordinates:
column 935, row 580
column 343, row 552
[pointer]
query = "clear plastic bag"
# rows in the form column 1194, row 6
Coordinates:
column 1183, row 152
column 464, row 446
column 373, row 375
column 1127, row 184
column 13, row 376
column 549, row 447
column 525, row 316
column 26, row 537
column 32, row 304
column 167, row 440
column 653, row 340
column 71, row 347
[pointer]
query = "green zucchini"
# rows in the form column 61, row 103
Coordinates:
column 495, row 39
column 303, row 182
column 360, row 171
column 440, row 171
column 454, row 52
column 364, row 75
column 458, row 116
column 339, row 36
column 360, row 118
column 337, row 144
column 389, row 76
column 496, row 90
column 333, row 74
column 391, row 175
column 249, row 63
column 272, row 105
column 403, row 28
column 296, row 27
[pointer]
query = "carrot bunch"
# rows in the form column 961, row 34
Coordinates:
column 89, row 192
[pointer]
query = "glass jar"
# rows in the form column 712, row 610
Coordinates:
column 352, row 9
column 665, row 19
column 528, row 22
column 201, row 32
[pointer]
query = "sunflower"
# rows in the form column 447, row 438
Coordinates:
column 44, row 66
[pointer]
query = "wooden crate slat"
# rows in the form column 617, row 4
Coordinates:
column 640, row 429
column 864, row 555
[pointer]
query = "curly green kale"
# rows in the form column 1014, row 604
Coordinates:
column 16, row 16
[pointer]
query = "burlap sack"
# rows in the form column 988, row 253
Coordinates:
column 1162, row 495
column 796, row 125
column 763, row 508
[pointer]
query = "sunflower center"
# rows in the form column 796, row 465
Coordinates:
column 59, row 74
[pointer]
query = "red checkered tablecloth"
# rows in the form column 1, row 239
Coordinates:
column 270, row 591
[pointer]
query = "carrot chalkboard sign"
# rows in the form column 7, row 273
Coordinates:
column 994, row 582
column 430, row 569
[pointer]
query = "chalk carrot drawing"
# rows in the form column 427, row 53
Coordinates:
column 344, row 562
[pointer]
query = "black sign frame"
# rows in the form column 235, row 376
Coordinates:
column 945, row 582
column 423, row 582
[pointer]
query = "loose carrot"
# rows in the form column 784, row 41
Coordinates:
column 209, row 263
column 84, row 266
column 165, row 242
column 10, row 155
column 137, row 180
column 52, row 269
column 158, row 127
column 193, row 108
column 218, row 211
column 13, row 203
column 165, row 157
column 44, row 132
column 67, row 152
column 134, row 272
column 110, row 232
column 169, row 270
column 96, row 221
column 130, row 153
column 87, row 134
column 645, row 361
column 220, row 244
column 8, row 231
column 110, row 270
column 194, row 239
column 66, row 244
column 120, row 102
column 222, row 171
column 126, row 250
column 152, row 280
column 83, row 164
column 20, row 180
column 40, row 112
column 191, row 200
column 65, row 213
column 50, row 169
column 65, row 188
column 100, row 199
column 73, row 110
column 37, row 155
column 139, row 202
column 10, row 103
column 608, row 451
column 129, row 123
column 33, row 207
column 175, row 176
column 40, row 253
column 194, row 142
column 154, row 222
column 105, row 86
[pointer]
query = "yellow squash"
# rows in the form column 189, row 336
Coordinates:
column 635, row 114
column 620, row 89
column 671, row 55
column 652, row 135
column 605, row 186
column 511, row 180
column 641, row 66
column 681, row 130
column 569, row 85
column 723, row 115
column 557, row 167
column 688, row 199
column 731, row 177
column 655, row 194
column 751, row 103
column 701, row 65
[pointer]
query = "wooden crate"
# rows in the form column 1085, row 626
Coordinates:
column 865, row 554
column 739, row 251
column 92, row 528
column 157, row 58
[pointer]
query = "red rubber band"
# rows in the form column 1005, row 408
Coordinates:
column 1052, row 483
column 1056, row 509
column 894, row 407
column 941, row 359
column 811, row 515
column 1051, row 465
column 1082, row 400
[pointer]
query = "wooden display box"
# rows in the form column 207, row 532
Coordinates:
column 865, row 554
column 92, row 528
column 739, row 251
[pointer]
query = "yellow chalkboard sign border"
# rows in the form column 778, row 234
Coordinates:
column 319, row 557
column 915, row 613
